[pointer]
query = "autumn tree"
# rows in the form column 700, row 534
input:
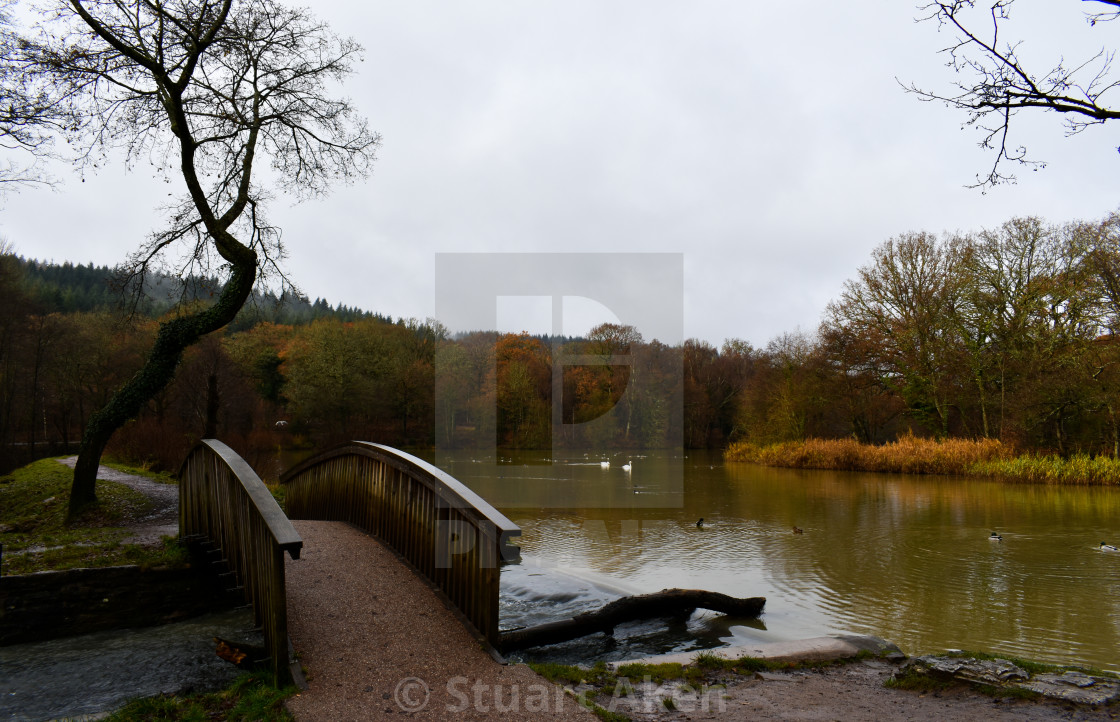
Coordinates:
column 902, row 305
column 995, row 82
column 524, row 391
column 453, row 390
column 792, row 399
column 414, row 370
column 1033, row 310
column 655, row 405
column 602, row 390
column 860, row 402
column 206, row 90
column 339, row 377
column 700, row 417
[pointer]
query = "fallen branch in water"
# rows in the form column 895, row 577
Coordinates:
column 666, row 603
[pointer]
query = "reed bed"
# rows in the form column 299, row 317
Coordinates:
column 913, row 455
column 1079, row 469
column 908, row 455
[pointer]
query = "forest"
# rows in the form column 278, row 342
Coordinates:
column 1005, row 333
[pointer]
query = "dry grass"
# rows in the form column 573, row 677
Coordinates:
column 912, row 455
column 908, row 455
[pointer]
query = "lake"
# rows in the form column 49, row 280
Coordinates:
column 905, row 558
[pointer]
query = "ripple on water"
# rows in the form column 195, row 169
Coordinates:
column 100, row 672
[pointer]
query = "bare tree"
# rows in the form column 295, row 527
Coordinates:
column 29, row 112
column 901, row 308
column 994, row 83
column 203, row 89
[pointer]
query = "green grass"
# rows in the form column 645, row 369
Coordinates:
column 709, row 660
column 597, row 675
column 658, row 673
column 279, row 493
column 163, row 477
column 248, row 699
column 607, row 715
column 33, row 508
column 1077, row 469
column 170, row 553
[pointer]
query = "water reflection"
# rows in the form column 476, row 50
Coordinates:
column 902, row 557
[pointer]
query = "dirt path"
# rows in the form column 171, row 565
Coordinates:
column 163, row 518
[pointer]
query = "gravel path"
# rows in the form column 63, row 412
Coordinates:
column 378, row 644
column 162, row 520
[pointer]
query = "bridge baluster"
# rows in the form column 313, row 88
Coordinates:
column 222, row 500
column 448, row 533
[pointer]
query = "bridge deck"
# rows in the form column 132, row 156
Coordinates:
column 367, row 629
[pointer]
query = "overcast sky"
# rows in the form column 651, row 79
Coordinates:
column 769, row 143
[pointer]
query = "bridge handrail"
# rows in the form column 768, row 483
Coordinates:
column 223, row 500
column 406, row 512
column 408, row 463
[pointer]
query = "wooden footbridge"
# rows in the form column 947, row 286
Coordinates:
column 442, row 529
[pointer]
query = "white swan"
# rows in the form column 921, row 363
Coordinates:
column 605, row 464
column 627, row 466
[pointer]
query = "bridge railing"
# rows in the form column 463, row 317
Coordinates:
column 222, row 500
column 445, row 530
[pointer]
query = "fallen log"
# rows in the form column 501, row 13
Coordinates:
column 666, row 603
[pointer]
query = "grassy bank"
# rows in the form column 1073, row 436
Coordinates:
column 36, row 536
column 249, row 699
column 911, row 455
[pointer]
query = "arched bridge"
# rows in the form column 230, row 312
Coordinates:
column 443, row 530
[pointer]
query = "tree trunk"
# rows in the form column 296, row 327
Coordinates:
column 1002, row 399
column 1115, row 431
column 666, row 603
column 174, row 336
column 983, row 404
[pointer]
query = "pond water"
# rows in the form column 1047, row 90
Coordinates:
column 96, row 673
column 906, row 558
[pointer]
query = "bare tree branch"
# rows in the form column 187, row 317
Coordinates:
column 29, row 113
column 993, row 84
